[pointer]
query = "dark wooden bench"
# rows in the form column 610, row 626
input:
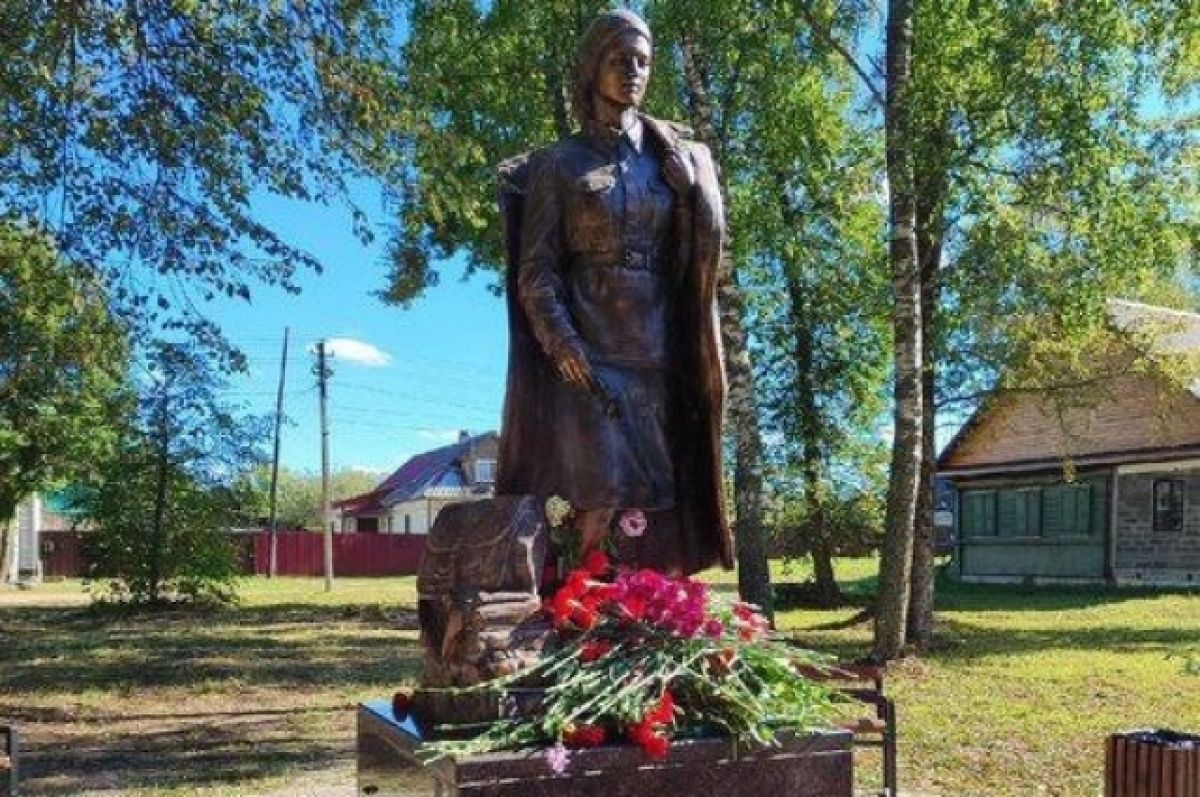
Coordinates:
column 8, row 761
column 877, row 728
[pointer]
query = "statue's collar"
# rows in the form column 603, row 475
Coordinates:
column 609, row 138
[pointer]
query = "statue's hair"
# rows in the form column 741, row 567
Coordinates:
column 600, row 34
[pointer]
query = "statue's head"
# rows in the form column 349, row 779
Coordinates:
column 613, row 63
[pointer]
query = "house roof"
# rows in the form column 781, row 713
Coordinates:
column 1165, row 330
column 436, row 469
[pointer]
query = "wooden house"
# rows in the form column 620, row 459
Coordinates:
column 408, row 500
column 44, row 525
column 1130, row 511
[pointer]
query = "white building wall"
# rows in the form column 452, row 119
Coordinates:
column 25, row 555
column 418, row 513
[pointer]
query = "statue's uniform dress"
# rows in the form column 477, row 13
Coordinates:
column 596, row 275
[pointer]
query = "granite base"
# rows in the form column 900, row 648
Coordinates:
column 812, row 765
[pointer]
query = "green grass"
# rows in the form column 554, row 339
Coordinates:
column 1015, row 700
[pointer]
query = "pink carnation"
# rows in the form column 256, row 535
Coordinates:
column 632, row 523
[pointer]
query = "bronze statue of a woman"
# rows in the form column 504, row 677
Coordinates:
column 615, row 386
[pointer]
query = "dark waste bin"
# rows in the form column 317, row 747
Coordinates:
column 1152, row 763
column 8, row 761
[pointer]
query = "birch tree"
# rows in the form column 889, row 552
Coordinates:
column 891, row 607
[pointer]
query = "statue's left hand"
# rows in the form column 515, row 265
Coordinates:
column 679, row 172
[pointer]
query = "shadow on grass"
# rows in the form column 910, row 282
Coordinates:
column 955, row 596
column 248, row 667
column 958, row 597
column 202, row 754
column 50, row 650
column 966, row 641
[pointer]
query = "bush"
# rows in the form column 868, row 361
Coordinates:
column 853, row 525
column 161, row 535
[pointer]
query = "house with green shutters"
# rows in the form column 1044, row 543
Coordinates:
column 1107, row 493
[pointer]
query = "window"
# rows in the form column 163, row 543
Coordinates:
column 408, row 524
column 1018, row 512
column 1168, row 505
column 979, row 513
column 485, row 471
column 1067, row 510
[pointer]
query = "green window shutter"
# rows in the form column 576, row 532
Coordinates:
column 1067, row 510
column 1082, row 519
column 970, row 514
column 978, row 513
column 1033, row 511
column 1053, row 499
column 1017, row 513
column 1010, row 513
column 1099, row 507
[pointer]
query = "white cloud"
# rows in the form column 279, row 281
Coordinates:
column 357, row 352
column 439, row 435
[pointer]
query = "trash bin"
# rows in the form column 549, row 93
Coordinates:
column 8, row 761
column 1152, row 763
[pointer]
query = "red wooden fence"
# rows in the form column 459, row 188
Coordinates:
column 62, row 554
column 301, row 553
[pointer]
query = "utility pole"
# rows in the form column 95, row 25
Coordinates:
column 273, row 568
column 326, row 507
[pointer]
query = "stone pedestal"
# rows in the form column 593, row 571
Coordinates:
column 815, row 765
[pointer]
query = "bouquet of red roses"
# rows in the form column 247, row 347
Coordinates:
column 642, row 657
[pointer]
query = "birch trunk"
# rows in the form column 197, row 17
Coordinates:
column 932, row 182
column 754, row 575
column 929, row 245
column 891, row 611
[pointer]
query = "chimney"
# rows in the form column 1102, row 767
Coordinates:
column 463, row 435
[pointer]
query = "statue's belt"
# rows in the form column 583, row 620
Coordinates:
column 631, row 259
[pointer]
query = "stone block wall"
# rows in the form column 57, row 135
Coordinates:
column 1146, row 556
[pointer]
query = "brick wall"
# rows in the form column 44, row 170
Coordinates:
column 1144, row 555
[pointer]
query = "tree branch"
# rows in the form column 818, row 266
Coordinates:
column 826, row 34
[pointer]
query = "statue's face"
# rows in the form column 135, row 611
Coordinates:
column 624, row 71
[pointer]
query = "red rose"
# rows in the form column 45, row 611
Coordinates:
column 635, row 607
column 584, row 618
column 594, row 650
column 584, row 736
column 596, row 562
column 663, row 713
column 656, row 746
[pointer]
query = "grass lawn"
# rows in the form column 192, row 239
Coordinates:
column 258, row 700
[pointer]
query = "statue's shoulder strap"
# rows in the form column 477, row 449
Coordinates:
column 512, row 178
column 671, row 134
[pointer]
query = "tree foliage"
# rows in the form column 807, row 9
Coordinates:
column 187, row 556
column 1057, row 173
column 803, row 171
column 138, row 133
column 164, row 505
column 61, row 369
column 299, row 499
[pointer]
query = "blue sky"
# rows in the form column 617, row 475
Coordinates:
column 443, row 360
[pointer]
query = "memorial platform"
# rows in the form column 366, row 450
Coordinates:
column 812, row 765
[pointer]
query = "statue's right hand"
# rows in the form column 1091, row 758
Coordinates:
column 573, row 366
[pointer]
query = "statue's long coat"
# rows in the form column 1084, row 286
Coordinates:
column 527, row 463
